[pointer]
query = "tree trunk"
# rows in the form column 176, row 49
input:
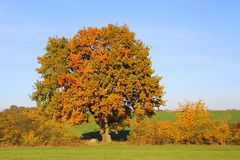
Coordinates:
column 106, row 137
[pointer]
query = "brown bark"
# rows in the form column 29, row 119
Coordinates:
column 106, row 137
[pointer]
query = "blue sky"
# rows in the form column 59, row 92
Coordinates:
column 195, row 45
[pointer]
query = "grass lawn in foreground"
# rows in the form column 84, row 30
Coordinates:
column 123, row 152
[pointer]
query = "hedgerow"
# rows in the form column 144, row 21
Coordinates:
column 30, row 127
column 192, row 126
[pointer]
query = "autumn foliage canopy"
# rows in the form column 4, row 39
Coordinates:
column 104, row 72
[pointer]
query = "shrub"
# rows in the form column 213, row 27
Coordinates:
column 153, row 132
column 30, row 127
column 235, row 138
column 192, row 126
column 235, row 134
column 217, row 134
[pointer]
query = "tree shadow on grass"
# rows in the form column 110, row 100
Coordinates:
column 120, row 136
column 91, row 135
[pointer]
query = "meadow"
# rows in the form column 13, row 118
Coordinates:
column 121, row 151
column 232, row 116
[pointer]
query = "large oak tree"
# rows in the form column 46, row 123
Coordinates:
column 104, row 72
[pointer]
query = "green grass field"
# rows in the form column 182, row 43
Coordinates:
column 233, row 116
column 123, row 152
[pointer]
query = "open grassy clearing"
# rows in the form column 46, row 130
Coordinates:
column 124, row 152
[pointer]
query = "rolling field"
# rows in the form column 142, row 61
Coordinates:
column 122, row 151
column 233, row 116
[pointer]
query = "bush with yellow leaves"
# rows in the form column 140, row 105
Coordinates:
column 192, row 126
column 30, row 127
